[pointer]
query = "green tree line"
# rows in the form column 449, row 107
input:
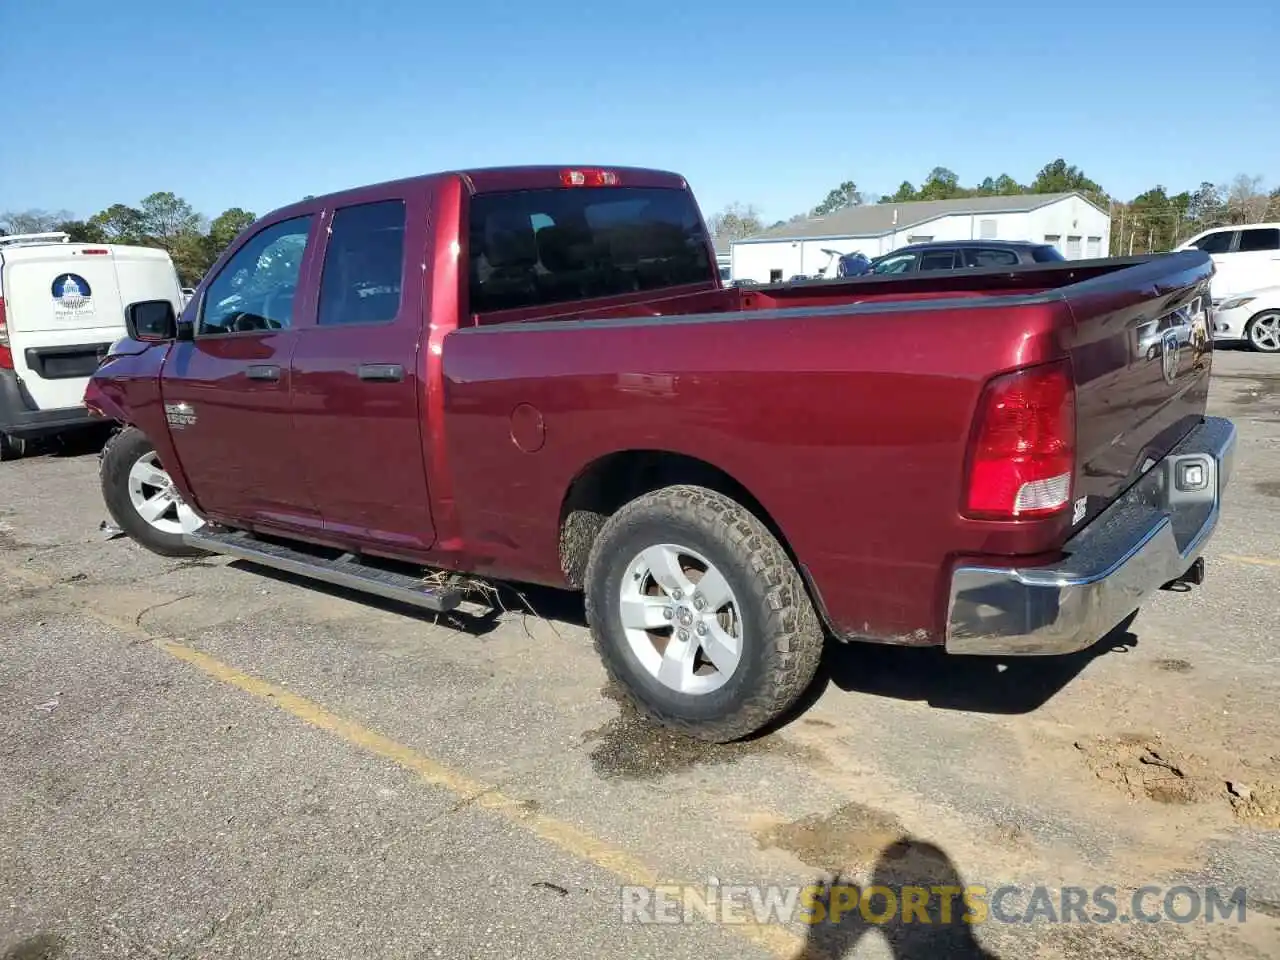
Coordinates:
column 1153, row 221
column 161, row 220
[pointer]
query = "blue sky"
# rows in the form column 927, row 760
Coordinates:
column 249, row 103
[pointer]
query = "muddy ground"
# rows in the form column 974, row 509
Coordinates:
column 200, row 759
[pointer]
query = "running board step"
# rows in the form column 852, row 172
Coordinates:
column 343, row 572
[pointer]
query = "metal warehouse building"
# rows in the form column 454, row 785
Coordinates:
column 1075, row 225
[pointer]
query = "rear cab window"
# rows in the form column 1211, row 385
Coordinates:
column 537, row 247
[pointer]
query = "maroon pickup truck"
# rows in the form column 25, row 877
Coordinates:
column 535, row 375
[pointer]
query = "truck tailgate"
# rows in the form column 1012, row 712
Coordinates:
column 1141, row 356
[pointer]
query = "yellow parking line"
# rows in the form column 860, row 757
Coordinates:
column 628, row 869
column 1254, row 561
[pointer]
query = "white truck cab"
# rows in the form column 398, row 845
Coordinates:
column 61, row 307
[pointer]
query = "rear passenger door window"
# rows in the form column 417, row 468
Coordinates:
column 1258, row 240
column 938, row 260
column 363, row 273
column 255, row 290
column 990, row 258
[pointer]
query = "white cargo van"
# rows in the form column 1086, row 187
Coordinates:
column 61, row 306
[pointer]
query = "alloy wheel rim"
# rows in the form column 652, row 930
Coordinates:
column 681, row 619
column 1265, row 332
column 157, row 501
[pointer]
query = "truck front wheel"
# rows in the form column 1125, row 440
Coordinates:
column 142, row 499
column 699, row 614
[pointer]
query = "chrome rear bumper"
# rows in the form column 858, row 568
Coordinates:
column 1152, row 535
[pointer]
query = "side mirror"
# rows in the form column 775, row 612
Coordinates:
column 151, row 321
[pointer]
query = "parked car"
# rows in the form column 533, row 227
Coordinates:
column 61, row 306
column 1244, row 257
column 562, row 393
column 1253, row 316
column 961, row 254
column 853, row 265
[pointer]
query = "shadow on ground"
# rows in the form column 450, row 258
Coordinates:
column 993, row 685
column 913, row 901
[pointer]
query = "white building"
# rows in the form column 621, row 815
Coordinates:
column 1075, row 225
column 724, row 258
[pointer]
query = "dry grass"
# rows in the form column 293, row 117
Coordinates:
column 487, row 597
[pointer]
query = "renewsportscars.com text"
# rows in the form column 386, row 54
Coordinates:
column 973, row 904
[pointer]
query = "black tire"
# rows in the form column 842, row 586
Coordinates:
column 1248, row 332
column 124, row 450
column 782, row 637
column 12, row 448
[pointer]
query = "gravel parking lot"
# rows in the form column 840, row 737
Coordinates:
column 203, row 759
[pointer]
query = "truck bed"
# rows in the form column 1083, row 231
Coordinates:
column 843, row 409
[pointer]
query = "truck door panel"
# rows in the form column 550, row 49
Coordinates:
column 357, row 394
column 227, row 391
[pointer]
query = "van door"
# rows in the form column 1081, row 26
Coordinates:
column 358, row 400
column 1219, row 245
column 226, row 392
column 1257, row 258
column 63, row 309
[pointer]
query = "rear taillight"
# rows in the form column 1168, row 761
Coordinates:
column 1024, row 445
column 6, row 355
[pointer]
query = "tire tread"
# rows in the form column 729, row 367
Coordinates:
column 792, row 634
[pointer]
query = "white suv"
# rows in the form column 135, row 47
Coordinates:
column 61, row 307
column 1245, row 257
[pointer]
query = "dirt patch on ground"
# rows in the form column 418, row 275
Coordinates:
column 1258, row 806
column 1270, row 488
column 1173, row 665
column 1145, row 768
column 850, row 836
column 631, row 747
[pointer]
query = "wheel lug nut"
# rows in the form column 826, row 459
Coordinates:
column 702, row 629
column 668, row 613
column 683, row 635
column 699, row 602
column 677, row 595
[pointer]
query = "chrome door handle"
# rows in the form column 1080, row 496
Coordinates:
column 264, row 371
column 381, row 372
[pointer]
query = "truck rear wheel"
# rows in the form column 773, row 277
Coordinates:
column 699, row 614
column 142, row 499
column 12, row 448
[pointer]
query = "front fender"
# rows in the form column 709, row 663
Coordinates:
column 101, row 405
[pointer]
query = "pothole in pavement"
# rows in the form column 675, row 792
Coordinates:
column 1146, row 768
